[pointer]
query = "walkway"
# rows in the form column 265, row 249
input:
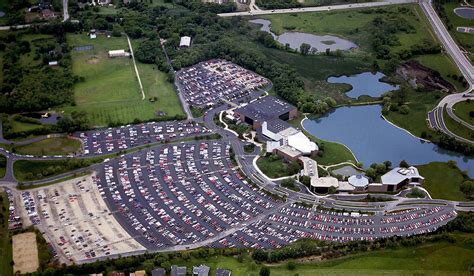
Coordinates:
column 136, row 68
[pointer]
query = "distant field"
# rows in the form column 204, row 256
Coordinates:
column 442, row 181
column 462, row 110
column 110, row 92
column 50, row 146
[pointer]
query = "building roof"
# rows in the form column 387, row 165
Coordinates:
column 222, row 272
column 398, row 175
column 185, row 41
column 158, row 272
column 277, row 125
column 310, row 167
column 201, row 270
column 324, row 182
column 289, row 151
column 178, row 270
column 358, row 180
column 265, row 109
column 301, row 142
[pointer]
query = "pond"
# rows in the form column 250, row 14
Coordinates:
column 295, row 39
column 374, row 140
column 365, row 84
column 467, row 13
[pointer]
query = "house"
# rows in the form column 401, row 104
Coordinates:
column 201, row 270
column 53, row 63
column 185, row 41
column 178, row 270
column 47, row 14
column 138, row 273
column 158, row 272
column 223, row 272
column 92, row 34
column 118, row 53
column 399, row 177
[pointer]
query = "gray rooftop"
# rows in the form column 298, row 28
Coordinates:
column 158, row 272
column 277, row 125
column 222, row 272
column 201, row 270
column 265, row 109
column 178, row 270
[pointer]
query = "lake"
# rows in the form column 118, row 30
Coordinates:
column 295, row 39
column 365, row 84
column 467, row 13
column 373, row 140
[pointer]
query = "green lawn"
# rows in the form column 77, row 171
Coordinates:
column 273, row 169
column 29, row 58
column 420, row 104
column 50, row 146
column 21, row 126
column 462, row 110
column 442, row 181
column 6, row 254
column 110, row 92
column 457, row 128
column 3, row 164
column 441, row 258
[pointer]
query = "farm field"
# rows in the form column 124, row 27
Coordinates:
column 50, row 146
column 462, row 110
column 110, row 92
column 442, row 181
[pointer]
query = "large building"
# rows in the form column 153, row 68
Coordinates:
column 400, row 177
column 266, row 109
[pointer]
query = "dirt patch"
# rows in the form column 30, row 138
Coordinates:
column 93, row 60
column 25, row 253
column 419, row 75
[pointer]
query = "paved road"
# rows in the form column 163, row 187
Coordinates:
column 318, row 9
column 435, row 117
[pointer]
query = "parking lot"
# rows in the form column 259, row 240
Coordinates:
column 208, row 82
column 111, row 140
column 191, row 192
column 181, row 194
column 76, row 221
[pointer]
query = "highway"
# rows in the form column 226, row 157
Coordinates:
column 255, row 11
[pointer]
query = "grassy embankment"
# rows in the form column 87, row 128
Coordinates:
column 50, row 146
column 457, row 128
column 273, row 168
column 3, row 165
column 110, row 92
column 442, row 181
column 6, row 254
column 462, row 110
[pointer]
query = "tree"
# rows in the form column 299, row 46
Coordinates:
column 264, row 271
column 332, row 190
column 404, row 164
column 291, row 265
column 304, row 48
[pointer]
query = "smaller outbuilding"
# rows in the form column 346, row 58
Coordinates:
column 185, row 41
column 118, row 53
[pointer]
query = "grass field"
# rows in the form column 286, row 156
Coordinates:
column 441, row 258
column 50, row 146
column 457, row 128
column 28, row 170
column 6, row 254
column 442, row 181
column 350, row 24
column 420, row 104
column 273, row 169
column 462, row 110
column 110, row 92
